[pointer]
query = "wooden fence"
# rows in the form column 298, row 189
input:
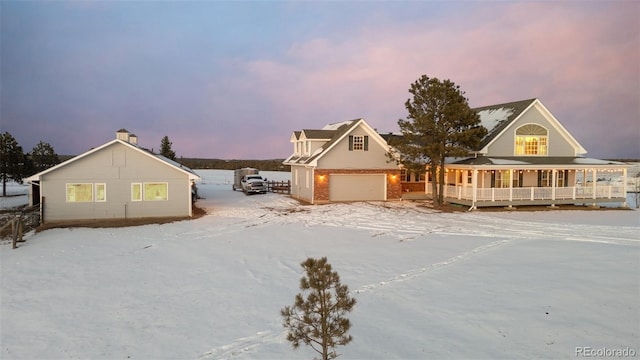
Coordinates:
column 16, row 230
column 27, row 218
column 281, row 187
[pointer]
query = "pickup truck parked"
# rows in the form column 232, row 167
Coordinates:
column 249, row 181
column 254, row 184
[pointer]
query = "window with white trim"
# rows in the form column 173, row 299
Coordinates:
column 101, row 192
column 80, row 192
column 156, row 191
column 531, row 140
column 136, row 192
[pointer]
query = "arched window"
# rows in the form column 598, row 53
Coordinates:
column 531, row 139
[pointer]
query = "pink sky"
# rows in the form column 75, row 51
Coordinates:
column 582, row 60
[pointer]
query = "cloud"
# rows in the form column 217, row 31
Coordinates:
column 125, row 65
column 581, row 68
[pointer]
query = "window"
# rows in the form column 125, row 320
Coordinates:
column 79, row 192
column 136, row 192
column 409, row 176
column 469, row 177
column 308, row 143
column 358, row 142
column 101, row 192
column 503, row 177
column 545, row 178
column 531, row 140
column 560, row 182
column 156, row 191
column 515, row 181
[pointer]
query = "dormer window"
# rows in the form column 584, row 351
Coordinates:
column 531, row 140
column 358, row 143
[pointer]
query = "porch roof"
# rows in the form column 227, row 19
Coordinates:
column 534, row 162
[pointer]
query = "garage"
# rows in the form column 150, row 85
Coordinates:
column 357, row 187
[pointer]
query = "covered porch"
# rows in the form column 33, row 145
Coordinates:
column 514, row 184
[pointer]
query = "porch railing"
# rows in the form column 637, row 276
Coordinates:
column 532, row 193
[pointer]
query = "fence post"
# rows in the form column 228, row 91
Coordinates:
column 14, row 233
column 20, row 229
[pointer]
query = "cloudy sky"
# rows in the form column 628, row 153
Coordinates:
column 234, row 79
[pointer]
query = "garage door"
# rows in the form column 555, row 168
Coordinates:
column 360, row 187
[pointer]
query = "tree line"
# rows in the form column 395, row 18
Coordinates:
column 15, row 164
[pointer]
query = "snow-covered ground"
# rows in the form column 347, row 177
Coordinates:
column 428, row 284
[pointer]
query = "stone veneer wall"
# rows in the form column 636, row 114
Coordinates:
column 321, row 185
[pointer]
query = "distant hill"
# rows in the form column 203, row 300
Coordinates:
column 263, row 165
column 222, row 164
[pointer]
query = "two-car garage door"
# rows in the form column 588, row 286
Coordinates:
column 357, row 187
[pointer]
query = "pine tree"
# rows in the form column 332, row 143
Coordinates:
column 319, row 319
column 440, row 124
column 43, row 156
column 11, row 161
column 165, row 148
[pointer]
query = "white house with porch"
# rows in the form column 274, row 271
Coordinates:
column 529, row 158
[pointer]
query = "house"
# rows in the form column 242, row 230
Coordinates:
column 118, row 180
column 529, row 158
column 345, row 161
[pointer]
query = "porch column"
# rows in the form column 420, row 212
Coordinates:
column 474, row 188
column 554, row 180
column 510, row 185
column 594, row 177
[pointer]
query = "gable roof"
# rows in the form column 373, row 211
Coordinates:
column 318, row 134
column 498, row 118
column 192, row 175
column 495, row 118
column 334, row 133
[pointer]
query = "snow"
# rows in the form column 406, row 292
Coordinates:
column 336, row 126
column 508, row 162
column 493, row 117
column 428, row 284
column 590, row 161
column 17, row 195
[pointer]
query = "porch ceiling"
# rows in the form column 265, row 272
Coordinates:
column 535, row 162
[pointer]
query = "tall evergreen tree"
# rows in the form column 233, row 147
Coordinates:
column 43, row 156
column 440, row 124
column 319, row 319
column 165, row 148
column 11, row 161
